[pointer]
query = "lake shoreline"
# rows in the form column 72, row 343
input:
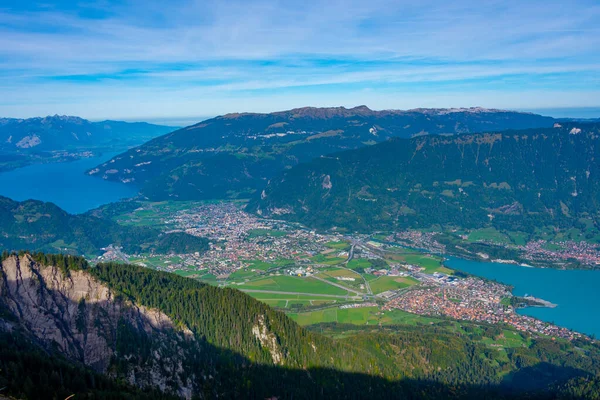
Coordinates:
column 65, row 184
column 572, row 292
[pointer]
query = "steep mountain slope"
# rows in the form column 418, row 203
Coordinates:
column 57, row 138
column 234, row 155
column 73, row 311
column 517, row 180
column 144, row 327
column 40, row 226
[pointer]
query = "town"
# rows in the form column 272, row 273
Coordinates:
column 291, row 267
column 473, row 299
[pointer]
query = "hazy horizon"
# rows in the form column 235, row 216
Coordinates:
column 574, row 112
column 181, row 121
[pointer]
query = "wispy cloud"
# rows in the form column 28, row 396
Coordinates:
column 208, row 56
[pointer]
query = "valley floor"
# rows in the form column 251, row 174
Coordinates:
column 328, row 277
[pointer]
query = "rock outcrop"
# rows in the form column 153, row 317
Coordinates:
column 78, row 316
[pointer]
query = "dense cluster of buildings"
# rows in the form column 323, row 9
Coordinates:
column 237, row 237
column 299, row 271
column 472, row 299
column 418, row 239
column 583, row 252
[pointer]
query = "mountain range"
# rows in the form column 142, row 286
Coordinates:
column 113, row 330
column 233, row 156
column 61, row 138
column 122, row 331
column 518, row 180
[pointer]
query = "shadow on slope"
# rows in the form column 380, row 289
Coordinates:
column 33, row 366
column 29, row 372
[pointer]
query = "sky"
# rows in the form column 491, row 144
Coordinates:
column 172, row 60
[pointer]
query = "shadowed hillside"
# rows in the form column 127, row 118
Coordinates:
column 146, row 328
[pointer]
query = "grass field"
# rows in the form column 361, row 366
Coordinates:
column 518, row 238
column 281, row 296
column 295, row 304
column 338, row 245
column 359, row 263
column 360, row 316
column 209, row 278
column 385, row 283
column 265, row 232
column 341, row 272
column 431, row 263
column 328, row 260
column 290, row 300
column 489, row 235
column 509, row 339
column 286, row 283
column 332, row 275
column 242, row 274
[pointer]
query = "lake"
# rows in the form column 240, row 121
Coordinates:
column 576, row 292
column 64, row 184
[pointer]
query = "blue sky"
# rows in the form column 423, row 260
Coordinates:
column 155, row 59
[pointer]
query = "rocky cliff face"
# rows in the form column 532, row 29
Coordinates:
column 82, row 319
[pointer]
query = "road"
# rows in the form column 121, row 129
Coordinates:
column 302, row 294
column 350, row 256
column 367, row 285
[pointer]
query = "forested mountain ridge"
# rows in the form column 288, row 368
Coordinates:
column 143, row 327
column 233, row 156
column 516, row 180
column 41, row 226
column 60, row 138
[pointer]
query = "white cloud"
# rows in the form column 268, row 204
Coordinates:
column 231, row 51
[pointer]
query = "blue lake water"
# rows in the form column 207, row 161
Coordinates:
column 576, row 292
column 64, row 184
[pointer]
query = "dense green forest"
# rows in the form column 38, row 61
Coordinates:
column 514, row 180
column 244, row 349
column 224, row 318
column 40, row 226
column 29, row 372
column 180, row 243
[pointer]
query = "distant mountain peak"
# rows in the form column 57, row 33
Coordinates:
column 365, row 111
column 328, row 112
column 64, row 118
column 311, row 112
